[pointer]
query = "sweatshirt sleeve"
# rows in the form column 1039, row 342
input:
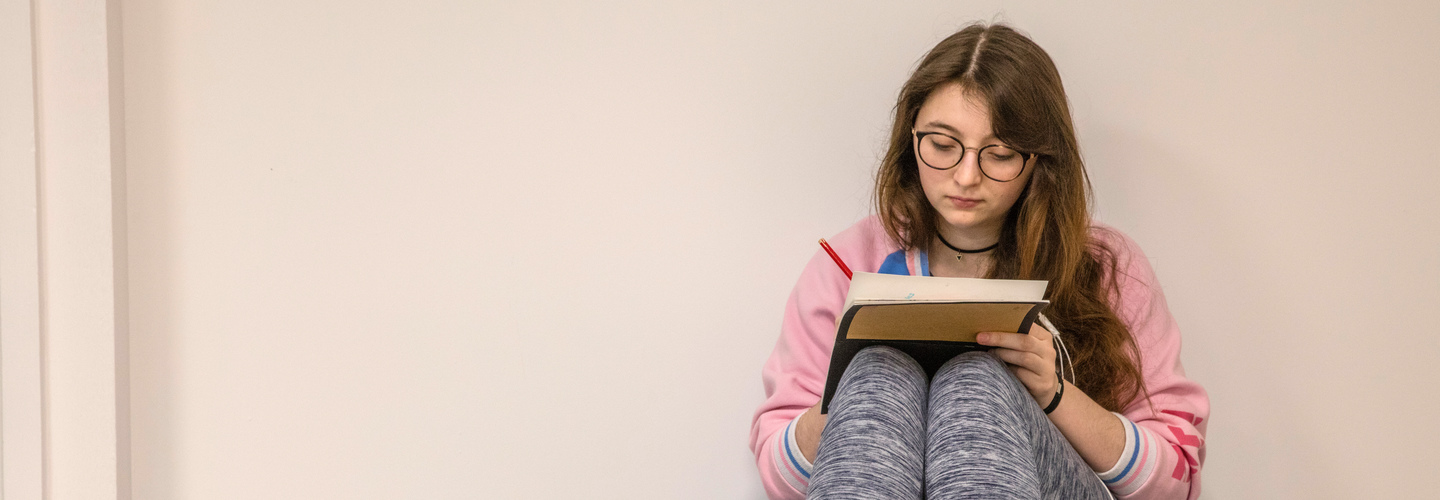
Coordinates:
column 1165, row 436
column 794, row 375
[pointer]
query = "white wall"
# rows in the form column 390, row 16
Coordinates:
column 448, row 249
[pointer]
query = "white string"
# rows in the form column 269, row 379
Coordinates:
column 1064, row 352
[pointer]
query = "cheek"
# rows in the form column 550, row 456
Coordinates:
column 929, row 178
column 928, row 185
column 1010, row 191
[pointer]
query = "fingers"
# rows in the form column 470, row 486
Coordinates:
column 1029, row 361
column 1037, row 374
column 1029, row 356
column 1021, row 349
column 1016, row 341
column 1033, row 382
column 1040, row 332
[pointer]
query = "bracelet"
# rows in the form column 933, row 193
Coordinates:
column 1056, row 402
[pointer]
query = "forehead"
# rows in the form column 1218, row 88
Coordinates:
column 953, row 109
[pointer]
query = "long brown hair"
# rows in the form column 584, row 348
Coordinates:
column 1047, row 233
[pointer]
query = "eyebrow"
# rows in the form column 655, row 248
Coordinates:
column 953, row 130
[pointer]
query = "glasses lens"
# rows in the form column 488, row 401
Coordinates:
column 939, row 151
column 1001, row 163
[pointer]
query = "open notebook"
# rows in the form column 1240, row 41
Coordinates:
column 931, row 319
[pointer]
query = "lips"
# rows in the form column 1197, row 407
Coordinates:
column 962, row 202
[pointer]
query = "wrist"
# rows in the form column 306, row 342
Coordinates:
column 1054, row 401
column 808, row 428
column 1043, row 395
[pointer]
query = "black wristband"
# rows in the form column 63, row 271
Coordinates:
column 1054, row 403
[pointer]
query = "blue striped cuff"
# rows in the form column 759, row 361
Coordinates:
column 789, row 462
column 1138, row 460
column 792, row 451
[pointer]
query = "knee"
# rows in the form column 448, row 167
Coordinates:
column 977, row 377
column 888, row 355
column 975, row 367
column 886, row 362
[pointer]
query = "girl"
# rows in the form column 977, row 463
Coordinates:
column 983, row 178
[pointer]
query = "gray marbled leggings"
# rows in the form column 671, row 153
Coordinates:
column 977, row 434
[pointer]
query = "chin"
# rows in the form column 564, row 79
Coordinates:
column 960, row 220
column 963, row 220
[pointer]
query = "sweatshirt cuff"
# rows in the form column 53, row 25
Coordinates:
column 793, row 466
column 1137, row 462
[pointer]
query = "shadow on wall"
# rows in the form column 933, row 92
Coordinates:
column 154, row 167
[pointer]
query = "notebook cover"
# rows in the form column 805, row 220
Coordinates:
column 930, row 332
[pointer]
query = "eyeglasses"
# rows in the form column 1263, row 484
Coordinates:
column 942, row 152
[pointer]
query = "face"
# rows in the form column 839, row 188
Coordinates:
column 972, row 205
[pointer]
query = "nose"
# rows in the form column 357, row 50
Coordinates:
column 967, row 173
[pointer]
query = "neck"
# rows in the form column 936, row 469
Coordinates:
column 969, row 238
column 943, row 262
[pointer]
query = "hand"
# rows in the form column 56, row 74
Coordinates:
column 1030, row 357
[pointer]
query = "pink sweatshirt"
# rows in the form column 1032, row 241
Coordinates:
column 1164, row 448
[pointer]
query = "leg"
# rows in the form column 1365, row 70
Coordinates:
column 874, row 439
column 988, row 439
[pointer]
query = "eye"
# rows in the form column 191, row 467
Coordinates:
column 940, row 142
column 1000, row 154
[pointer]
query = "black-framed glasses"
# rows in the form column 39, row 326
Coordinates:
column 940, row 151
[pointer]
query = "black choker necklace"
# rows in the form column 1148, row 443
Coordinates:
column 962, row 250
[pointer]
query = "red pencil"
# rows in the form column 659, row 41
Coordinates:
column 838, row 262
